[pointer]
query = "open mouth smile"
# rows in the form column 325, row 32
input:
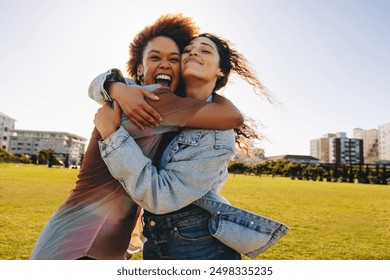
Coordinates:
column 163, row 79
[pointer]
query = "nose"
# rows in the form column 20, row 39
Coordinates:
column 165, row 64
column 194, row 52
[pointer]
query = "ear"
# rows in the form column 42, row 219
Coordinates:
column 221, row 74
column 140, row 70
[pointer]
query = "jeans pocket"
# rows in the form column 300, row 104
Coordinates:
column 193, row 229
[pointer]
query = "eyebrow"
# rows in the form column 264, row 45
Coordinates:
column 155, row 51
column 207, row 45
column 202, row 43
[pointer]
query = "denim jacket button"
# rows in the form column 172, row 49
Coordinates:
column 152, row 223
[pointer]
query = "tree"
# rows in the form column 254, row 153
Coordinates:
column 7, row 157
column 43, row 156
column 238, row 167
column 25, row 158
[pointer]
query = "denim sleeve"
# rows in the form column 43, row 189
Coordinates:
column 177, row 185
column 97, row 90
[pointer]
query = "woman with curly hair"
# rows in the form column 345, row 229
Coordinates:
column 98, row 217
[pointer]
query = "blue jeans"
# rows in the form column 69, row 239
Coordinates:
column 183, row 235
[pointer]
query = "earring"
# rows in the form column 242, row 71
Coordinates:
column 140, row 78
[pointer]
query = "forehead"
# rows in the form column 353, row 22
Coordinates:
column 163, row 45
column 203, row 41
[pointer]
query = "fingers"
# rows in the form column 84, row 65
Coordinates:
column 141, row 118
column 117, row 113
column 151, row 115
column 137, row 123
column 117, row 108
column 150, row 95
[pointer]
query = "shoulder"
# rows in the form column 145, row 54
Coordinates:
column 207, row 137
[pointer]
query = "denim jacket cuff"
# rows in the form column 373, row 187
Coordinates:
column 112, row 75
column 96, row 90
column 113, row 142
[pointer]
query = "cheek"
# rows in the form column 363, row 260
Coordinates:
column 148, row 77
column 177, row 71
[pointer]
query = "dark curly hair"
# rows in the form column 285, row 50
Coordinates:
column 177, row 27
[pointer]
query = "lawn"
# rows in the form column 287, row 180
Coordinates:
column 327, row 220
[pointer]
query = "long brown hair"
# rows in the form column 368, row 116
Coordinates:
column 232, row 60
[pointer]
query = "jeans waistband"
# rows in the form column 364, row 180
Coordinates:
column 175, row 214
column 167, row 220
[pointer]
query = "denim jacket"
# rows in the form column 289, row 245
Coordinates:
column 193, row 170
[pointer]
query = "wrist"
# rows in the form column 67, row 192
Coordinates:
column 115, row 89
column 107, row 133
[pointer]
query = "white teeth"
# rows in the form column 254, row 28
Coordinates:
column 162, row 77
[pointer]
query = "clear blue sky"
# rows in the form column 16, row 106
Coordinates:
column 327, row 61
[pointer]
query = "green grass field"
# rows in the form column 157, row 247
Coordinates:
column 328, row 221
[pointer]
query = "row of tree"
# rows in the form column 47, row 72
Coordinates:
column 42, row 157
column 369, row 173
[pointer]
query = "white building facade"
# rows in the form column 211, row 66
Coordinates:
column 6, row 125
column 384, row 142
column 370, row 144
column 319, row 148
column 30, row 142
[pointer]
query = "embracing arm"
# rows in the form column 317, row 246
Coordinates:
column 131, row 98
column 178, row 184
column 219, row 114
column 98, row 89
column 112, row 85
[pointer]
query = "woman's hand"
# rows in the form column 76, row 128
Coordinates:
column 108, row 119
column 132, row 101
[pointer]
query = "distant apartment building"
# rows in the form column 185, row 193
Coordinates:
column 344, row 150
column 384, row 143
column 65, row 145
column 6, row 125
column 319, row 148
column 370, row 144
column 337, row 148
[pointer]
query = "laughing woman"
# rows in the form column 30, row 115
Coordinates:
column 97, row 219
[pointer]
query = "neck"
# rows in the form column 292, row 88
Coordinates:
column 199, row 90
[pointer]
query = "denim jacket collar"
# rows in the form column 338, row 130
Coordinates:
column 190, row 137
